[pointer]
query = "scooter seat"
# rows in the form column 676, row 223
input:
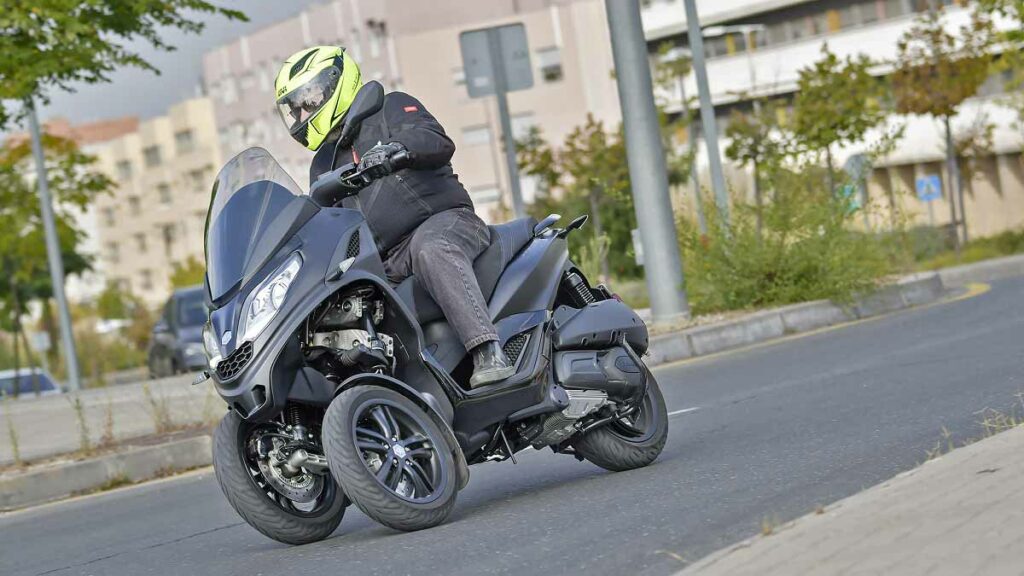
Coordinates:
column 506, row 241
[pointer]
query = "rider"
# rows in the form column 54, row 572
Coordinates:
column 421, row 216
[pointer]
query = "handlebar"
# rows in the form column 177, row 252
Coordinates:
column 340, row 183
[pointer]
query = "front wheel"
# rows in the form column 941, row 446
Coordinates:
column 390, row 457
column 632, row 442
column 299, row 509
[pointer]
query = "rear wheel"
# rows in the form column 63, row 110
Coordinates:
column 631, row 442
column 390, row 457
column 299, row 509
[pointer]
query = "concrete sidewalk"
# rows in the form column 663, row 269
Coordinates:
column 960, row 514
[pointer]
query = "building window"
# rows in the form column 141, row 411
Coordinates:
column 168, row 235
column 197, row 180
column 476, row 135
column 796, row 29
column 164, row 193
column 140, row 242
column 151, row 154
column 819, row 24
column 134, row 205
column 113, row 252
column 184, row 142
column 147, row 279
column 124, row 169
column 896, row 8
column 549, row 61
column 108, row 216
column 869, row 12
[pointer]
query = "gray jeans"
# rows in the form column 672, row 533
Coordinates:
column 440, row 254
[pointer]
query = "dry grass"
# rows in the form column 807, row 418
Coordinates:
column 107, row 438
column 992, row 422
column 12, row 433
column 84, row 443
column 768, row 525
column 159, row 409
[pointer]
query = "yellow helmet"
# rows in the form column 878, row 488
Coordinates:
column 314, row 90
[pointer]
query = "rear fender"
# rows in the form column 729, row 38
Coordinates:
column 424, row 400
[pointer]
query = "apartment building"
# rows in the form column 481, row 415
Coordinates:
column 792, row 37
column 239, row 76
column 156, row 216
column 414, row 46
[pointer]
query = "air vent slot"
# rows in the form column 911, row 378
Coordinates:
column 233, row 364
column 353, row 245
column 515, row 346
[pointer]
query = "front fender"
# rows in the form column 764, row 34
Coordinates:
column 438, row 409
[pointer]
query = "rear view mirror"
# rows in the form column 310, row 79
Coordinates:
column 368, row 101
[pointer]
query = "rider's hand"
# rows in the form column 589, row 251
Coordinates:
column 377, row 162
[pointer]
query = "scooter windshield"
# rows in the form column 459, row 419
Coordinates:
column 254, row 207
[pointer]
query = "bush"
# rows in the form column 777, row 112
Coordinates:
column 1003, row 244
column 808, row 250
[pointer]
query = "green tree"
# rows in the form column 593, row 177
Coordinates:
column 757, row 140
column 586, row 175
column 188, row 273
column 74, row 183
column 837, row 102
column 59, row 44
column 935, row 72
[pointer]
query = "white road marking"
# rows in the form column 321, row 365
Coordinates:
column 684, row 411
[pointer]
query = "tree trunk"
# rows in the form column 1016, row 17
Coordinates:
column 954, row 185
column 14, row 326
column 830, row 174
column 595, row 216
column 758, row 202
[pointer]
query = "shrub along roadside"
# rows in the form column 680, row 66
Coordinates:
column 809, row 249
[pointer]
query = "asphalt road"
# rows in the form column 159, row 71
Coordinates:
column 778, row 430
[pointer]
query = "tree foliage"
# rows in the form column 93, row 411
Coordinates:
column 837, row 102
column 588, row 170
column 188, row 273
column 61, row 43
column 74, row 182
column 937, row 70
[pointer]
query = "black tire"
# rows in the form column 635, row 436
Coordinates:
column 254, row 505
column 352, row 468
column 615, row 448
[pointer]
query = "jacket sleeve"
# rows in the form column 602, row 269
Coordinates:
column 422, row 135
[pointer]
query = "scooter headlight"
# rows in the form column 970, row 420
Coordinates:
column 213, row 354
column 268, row 299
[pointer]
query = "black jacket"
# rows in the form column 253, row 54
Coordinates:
column 395, row 205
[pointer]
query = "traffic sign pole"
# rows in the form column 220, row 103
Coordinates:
column 501, row 94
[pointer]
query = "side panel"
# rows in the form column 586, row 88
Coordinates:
column 598, row 325
column 530, row 282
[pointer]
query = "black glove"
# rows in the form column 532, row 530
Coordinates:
column 381, row 160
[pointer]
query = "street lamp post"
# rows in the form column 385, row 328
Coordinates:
column 707, row 112
column 675, row 54
column 53, row 252
column 748, row 31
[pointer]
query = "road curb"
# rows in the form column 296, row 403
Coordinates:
column 984, row 271
column 766, row 325
column 131, row 466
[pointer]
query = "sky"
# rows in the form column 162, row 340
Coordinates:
column 144, row 94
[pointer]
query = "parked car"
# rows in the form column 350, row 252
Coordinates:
column 27, row 382
column 176, row 344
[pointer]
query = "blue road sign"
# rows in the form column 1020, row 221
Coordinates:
column 929, row 187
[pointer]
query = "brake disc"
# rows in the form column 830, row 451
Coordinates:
column 300, row 488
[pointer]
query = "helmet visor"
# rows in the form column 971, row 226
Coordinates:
column 297, row 106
